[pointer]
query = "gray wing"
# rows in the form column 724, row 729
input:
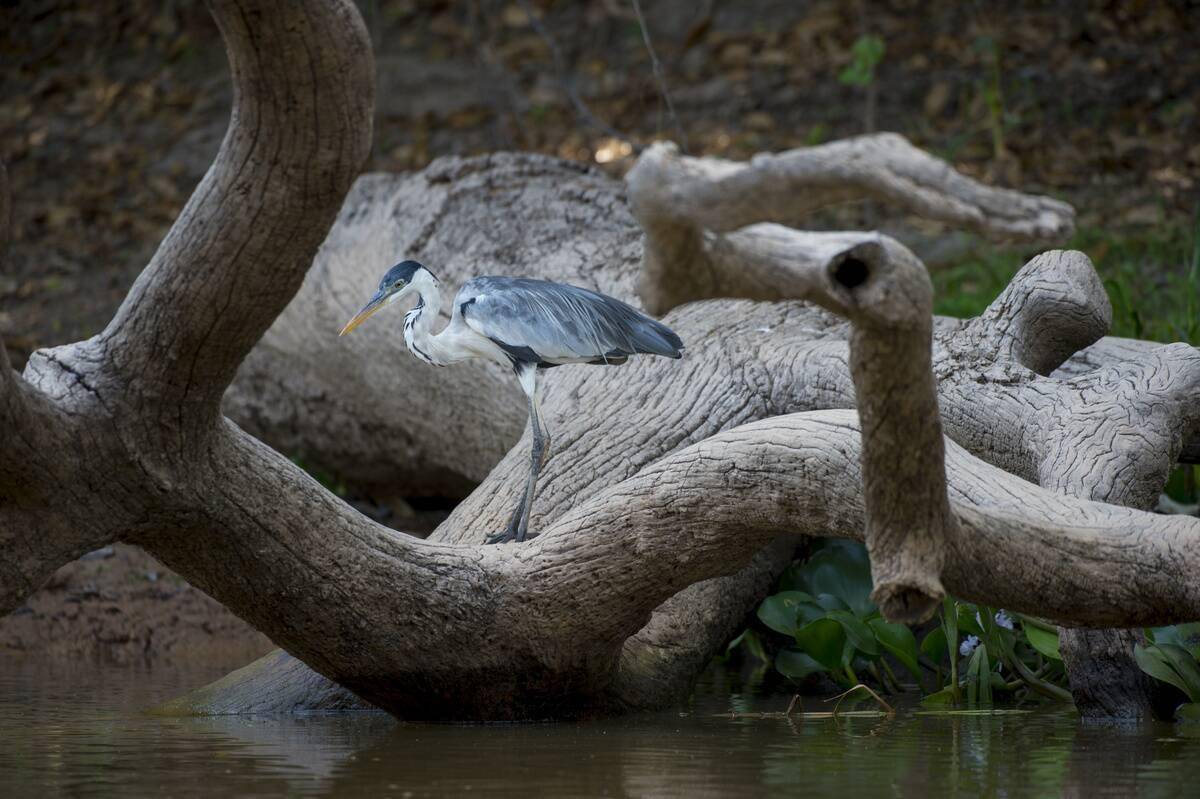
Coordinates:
column 543, row 322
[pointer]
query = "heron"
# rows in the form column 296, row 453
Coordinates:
column 524, row 324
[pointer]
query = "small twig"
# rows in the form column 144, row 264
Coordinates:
column 807, row 716
column 891, row 711
column 659, row 77
column 697, row 30
column 567, row 82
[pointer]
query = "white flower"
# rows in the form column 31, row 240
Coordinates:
column 968, row 645
column 1003, row 619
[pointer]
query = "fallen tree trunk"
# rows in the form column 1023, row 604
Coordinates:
column 670, row 491
column 774, row 359
column 691, row 209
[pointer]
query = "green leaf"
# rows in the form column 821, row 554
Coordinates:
column 1184, row 635
column 857, row 632
column 942, row 697
column 830, row 602
column 855, row 75
column 781, row 611
column 1154, row 662
column 867, row 52
column 824, row 640
column 967, row 621
column 1188, row 712
column 900, row 642
column 1043, row 641
column 979, row 680
column 950, row 622
column 796, row 665
column 753, row 644
column 1185, row 666
column 841, row 569
column 949, row 617
column 933, row 646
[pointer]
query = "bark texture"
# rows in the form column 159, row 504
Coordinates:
column 1105, row 679
column 675, row 489
column 686, row 204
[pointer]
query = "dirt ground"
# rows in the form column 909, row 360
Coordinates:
column 120, row 605
column 111, row 110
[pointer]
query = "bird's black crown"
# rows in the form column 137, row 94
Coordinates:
column 402, row 274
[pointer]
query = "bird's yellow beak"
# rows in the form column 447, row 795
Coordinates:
column 377, row 302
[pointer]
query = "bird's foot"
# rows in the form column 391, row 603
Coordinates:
column 512, row 532
column 501, row 537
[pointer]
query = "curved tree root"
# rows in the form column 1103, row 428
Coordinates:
column 487, row 504
column 648, row 497
column 691, row 210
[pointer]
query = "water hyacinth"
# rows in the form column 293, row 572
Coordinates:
column 968, row 645
column 1003, row 619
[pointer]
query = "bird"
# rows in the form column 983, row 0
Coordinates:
column 525, row 324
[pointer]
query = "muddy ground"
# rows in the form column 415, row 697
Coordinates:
column 121, row 605
column 111, row 110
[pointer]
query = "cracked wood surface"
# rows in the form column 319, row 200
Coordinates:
column 672, row 477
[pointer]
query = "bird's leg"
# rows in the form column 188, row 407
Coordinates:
column 538, row 454
column 540, row 426
column 510, row 532
column 518, row 526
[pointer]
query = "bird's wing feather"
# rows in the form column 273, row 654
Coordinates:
column 560, row 323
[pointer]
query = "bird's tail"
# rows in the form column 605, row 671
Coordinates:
column 652, row 337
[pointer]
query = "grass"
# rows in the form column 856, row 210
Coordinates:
column 1153, row 282
column 1152, row 278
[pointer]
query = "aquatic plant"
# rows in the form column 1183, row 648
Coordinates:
column 824, row 608
column 1173, row 656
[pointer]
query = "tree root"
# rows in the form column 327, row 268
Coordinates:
column 670, row 480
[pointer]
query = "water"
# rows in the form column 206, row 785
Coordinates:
column 79, row 733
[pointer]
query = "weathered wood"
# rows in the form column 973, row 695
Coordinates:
column 670, row 484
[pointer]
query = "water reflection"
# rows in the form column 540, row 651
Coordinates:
column 78, row 733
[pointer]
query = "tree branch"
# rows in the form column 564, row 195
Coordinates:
column 681, row 202
column 766, row 359
column 1015, row 544
column 660, row 662
column 722, row 196
column 300, row 130
column 557, row 604
column 1055, row 308
column 1111, row 351
column 428, row 628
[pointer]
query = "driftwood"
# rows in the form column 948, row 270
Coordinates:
column 675, row 490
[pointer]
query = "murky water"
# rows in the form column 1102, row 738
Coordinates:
column 79, row 732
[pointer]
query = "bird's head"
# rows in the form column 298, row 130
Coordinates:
column 399, row 281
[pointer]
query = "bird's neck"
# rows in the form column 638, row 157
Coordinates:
column 418, row 325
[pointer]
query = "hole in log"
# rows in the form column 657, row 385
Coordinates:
column 851, row 272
